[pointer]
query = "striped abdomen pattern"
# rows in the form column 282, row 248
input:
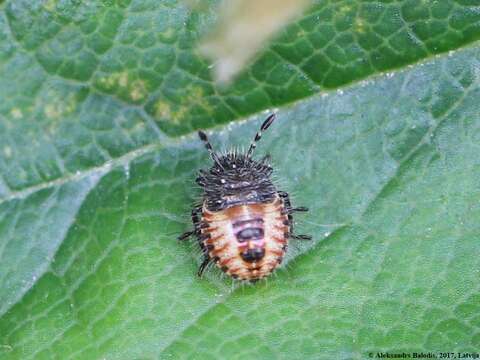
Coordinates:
column 246, row 241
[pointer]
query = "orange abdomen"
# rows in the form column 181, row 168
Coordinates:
column 246, row 241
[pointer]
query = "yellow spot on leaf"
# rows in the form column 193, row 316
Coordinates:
column 138, row 90
column 123, row 79
column 7, row 150
column 60, row 107
column 169, row 34
column 50, row 5
column 180, row 114
column 52, row 111
column 162, row 110
column 176, row 113
column 113, row 80
column 16, row 113
column 360, row 25
column 345, row 9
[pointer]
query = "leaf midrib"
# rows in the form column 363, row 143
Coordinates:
column 175, row 141
column 18, row 194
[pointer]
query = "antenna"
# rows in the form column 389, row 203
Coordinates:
column 208, row 146
column 258, row 136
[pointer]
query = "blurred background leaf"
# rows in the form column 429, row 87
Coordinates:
column 378, row 134
column 244, row 27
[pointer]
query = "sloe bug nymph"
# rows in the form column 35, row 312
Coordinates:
column 244, row 223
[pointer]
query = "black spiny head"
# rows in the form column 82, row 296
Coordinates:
column 237, row 179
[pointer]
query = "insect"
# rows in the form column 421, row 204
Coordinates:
column 243, row 223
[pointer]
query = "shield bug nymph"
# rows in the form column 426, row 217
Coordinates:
column 243, row 223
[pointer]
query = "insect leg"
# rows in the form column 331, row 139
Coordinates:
column 286, row 200
column 206, row 261
column 299, row 209
column 186, row 235
column 301, row 237
column 288, row 206
column 289, row 210
column 208, row 146
column 196, row 225
column 195, row 219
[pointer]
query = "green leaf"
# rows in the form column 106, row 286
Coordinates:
column 95, row 183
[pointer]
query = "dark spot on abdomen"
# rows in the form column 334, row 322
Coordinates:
column 253, row 255
column 249, row 234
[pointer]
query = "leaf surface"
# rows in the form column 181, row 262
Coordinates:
column 96, row 182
